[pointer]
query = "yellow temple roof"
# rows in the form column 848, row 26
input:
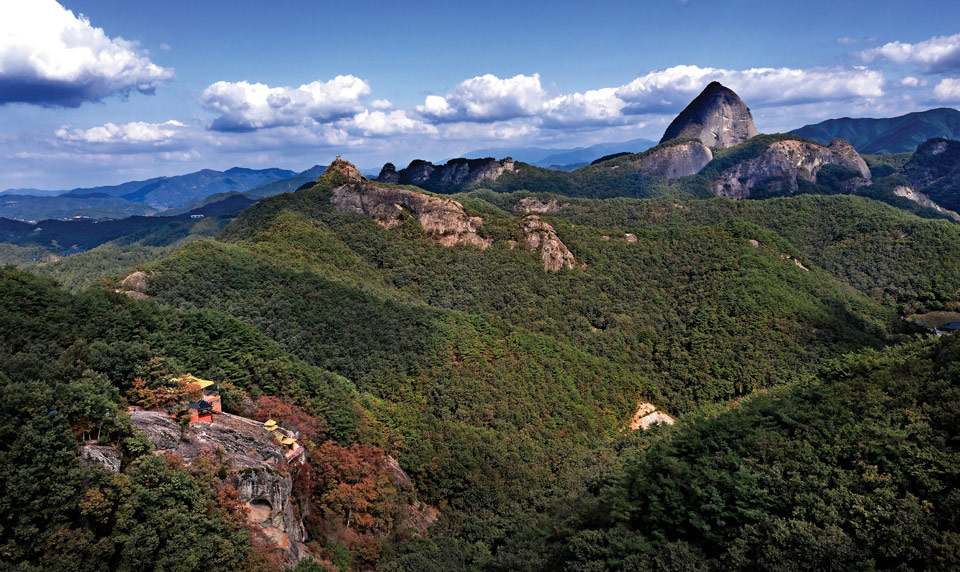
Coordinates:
column 203, row 383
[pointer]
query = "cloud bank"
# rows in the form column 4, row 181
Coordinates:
column 940, row 54
column 50, row 57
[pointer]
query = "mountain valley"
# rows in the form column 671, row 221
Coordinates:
column 464, row 351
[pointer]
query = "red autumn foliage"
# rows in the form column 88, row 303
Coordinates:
column 284, row 413
column 354, row 489
column 235, row 510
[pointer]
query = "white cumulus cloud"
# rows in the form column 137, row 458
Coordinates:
column 940, row 54
column 379, row 123
column 670, row 89
column 487, row 98
column 51, row 57
column 134, row 132
column 247, row 106
column 594, row 107
column 947, row 90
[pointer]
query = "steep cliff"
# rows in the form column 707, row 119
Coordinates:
column 935, row 171
column 541, row 237
column 782, row 164
column 442, row 219
column 258, row 469
column 675, row 161
column 717, row 117
column 447, row 178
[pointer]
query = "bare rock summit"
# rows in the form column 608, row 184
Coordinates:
column 717, row 117
column 449, row 177
column 541, row 237
column 345, row 168
column 442, row 219
column 785, row 163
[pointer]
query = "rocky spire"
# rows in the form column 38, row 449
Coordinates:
column 349, row 172
column 717, row 117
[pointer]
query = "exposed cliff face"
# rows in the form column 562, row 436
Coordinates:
column 786, row 162
column 676, row 161
column 541, row 237
column 647, row 416
column 442, row 219
column 258, row 469
column 917, row 197
column 934, row 169
column 717, row 117
column 449, row 177
column 268, row 496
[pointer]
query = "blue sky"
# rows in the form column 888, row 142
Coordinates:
column 139, row 89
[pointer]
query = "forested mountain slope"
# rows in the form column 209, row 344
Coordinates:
column 856, row 471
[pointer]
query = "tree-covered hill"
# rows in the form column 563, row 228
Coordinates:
column 504, row 389
column 887, row 135
column 857, row 470
column 489, row 370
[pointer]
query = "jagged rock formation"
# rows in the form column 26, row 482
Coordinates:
column 102, row 456
column 541, row 237
column 786, row 162
column 442, row 219
column 449, row 177
column 268, row 496
column 717, row 117
column 388, row 174
column 258, row 469
column 535, row 205
column 675, row 161
column 345, row 168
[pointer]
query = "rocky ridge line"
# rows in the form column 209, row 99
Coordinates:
column 790, row 161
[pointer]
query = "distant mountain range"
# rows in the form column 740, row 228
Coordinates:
column 562, row 158
column 93, row 205
column 889, row 135
column 177, row 194
column 169, row 192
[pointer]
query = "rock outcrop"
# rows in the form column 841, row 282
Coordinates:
column 442, row 219
column 449, row 177
column 717, row 117
column 675, row 161
column 388, row 174
column 785, row 163
column 535, row 205
column 345, row 168
column 257, row 469
column 135, row 285
column 100, row 456
column 541, row 237
column 916, row 196
column 647, row 415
